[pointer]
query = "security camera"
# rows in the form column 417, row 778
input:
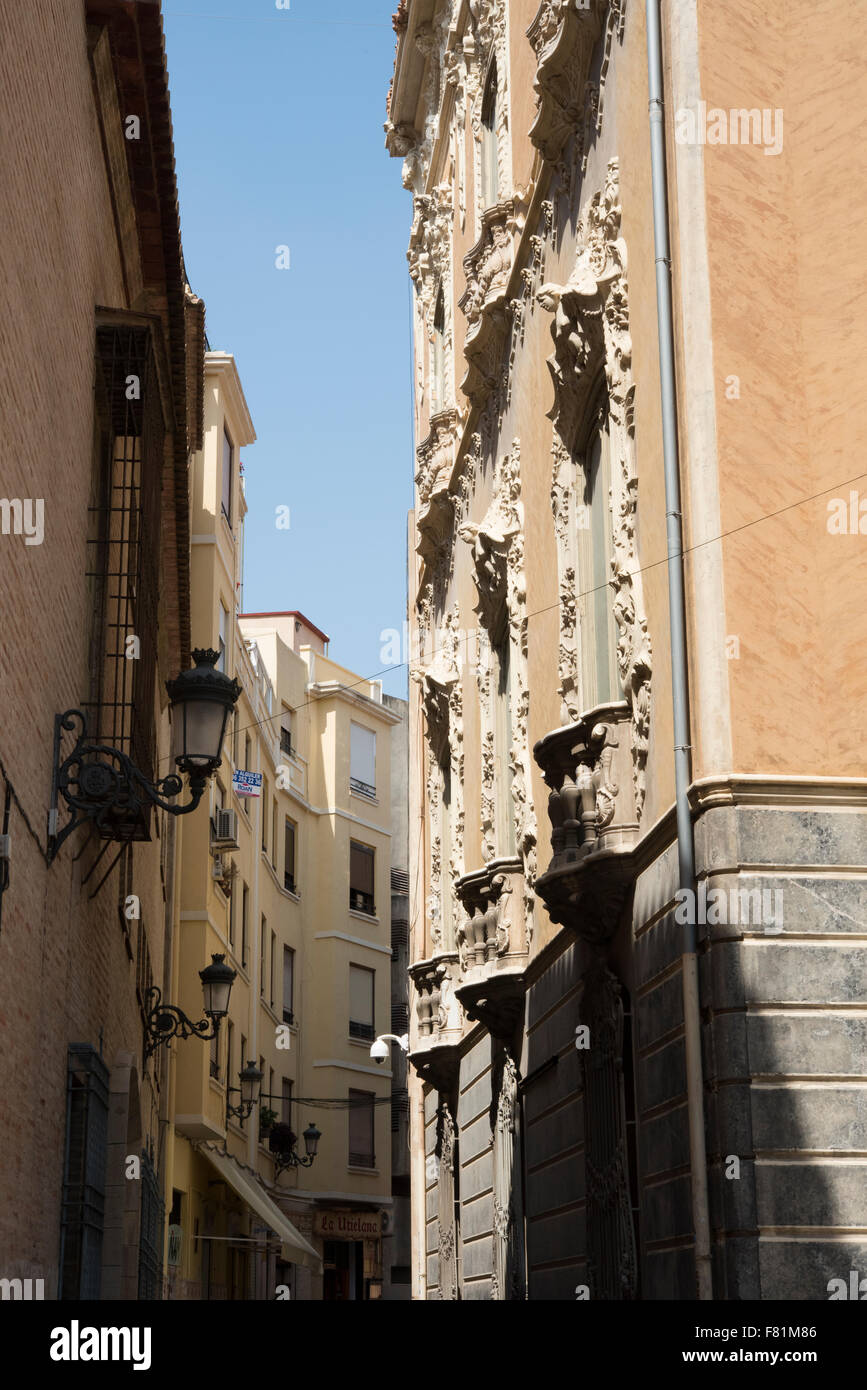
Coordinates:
column 379, row 1051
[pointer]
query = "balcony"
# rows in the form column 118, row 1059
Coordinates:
column 435, row 1055
column 589, row 768
column 493, row 945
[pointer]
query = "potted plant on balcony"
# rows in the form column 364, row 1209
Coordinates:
column 267, row 1121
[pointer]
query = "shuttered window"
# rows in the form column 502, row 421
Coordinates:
column 361, row 868
column 288, row 984
column 361, row 1150
column 362, row 761
column 289, row 858
column 361, row 988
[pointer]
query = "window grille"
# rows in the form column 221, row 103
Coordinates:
column 123, row 550
column 83, row 1200
column 150, row 1245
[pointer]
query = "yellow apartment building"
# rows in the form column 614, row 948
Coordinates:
column 287, row 876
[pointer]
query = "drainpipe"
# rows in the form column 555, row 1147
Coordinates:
column 679, row 678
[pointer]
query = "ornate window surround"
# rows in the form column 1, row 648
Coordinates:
column 590, row 331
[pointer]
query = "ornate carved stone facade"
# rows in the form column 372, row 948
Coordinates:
column 476, row 904
column 591, row 334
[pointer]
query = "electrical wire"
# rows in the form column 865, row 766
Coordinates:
column 584, row 593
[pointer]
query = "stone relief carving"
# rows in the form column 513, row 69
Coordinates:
column 563, row 36
column 489, row 41
column 447, row 1236
column 485, row 302
column 591, row 330
column 442, row 704
column 531, row 278
column 507, row 1280
column 436, row 503
column 498, row 558
column 431, row 269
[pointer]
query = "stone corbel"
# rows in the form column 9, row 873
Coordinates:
column 486, row 301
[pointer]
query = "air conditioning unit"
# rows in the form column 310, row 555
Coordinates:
column 224, row 830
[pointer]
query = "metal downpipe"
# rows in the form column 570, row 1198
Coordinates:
column 679, row 677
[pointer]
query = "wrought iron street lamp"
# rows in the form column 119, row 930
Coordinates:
column 103, row 786
column 167, row 1021
column 249, row 1090
column 282, row 1142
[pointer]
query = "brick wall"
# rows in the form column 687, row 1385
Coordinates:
column 65, row 972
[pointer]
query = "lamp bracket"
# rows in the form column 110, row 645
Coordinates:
column 102, row 785
column 166, row 1021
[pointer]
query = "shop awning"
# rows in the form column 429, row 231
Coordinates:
column 243, row 1181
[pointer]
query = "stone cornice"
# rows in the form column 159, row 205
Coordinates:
column 223, row 365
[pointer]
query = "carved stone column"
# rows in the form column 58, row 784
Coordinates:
column 448, row 1234
column 507, row 1281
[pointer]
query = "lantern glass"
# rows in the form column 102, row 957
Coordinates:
column 251, row 1083
column 200, row 731
column 311, row 1140
column 217, row 980
column 201, row 701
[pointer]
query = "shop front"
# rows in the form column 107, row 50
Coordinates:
column 352, row 1254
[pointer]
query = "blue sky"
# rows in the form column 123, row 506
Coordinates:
column 278, row 119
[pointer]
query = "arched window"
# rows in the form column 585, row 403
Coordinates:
column 601, row 681
column 490, row 153
column 439, row 372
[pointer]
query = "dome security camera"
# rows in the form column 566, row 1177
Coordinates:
column 379, row 1051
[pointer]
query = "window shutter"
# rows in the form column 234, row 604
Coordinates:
column 361, row 1154
column 362, row 760
column 361, row 868
column 361, row 984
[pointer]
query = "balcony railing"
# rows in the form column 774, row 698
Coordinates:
column 362, row 788
column 361, row 902
column 289, row 883
column 288, row 1016
column 286, row 742
column 365, row 1031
